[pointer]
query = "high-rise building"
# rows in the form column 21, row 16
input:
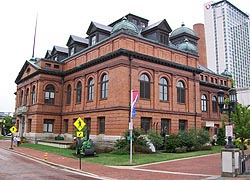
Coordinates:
column 227, row 30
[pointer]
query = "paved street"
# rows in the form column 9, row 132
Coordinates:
column 15, row 166
column 199, row 168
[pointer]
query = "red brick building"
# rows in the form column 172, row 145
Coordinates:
column 92, row 78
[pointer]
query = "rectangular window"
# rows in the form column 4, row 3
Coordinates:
column 48, row 125
column 56, row 66
column 165, row 127
column 101, row 125
column 145, row 124
column 47, row 65
column 66, row 125
column 182, row 125
column 93, row 40
column 29, row 125
column 163, row 39
column 88, row 123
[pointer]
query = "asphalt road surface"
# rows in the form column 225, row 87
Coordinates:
column 18, row 167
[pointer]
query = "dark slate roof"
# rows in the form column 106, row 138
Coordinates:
column 115, row 22
column 77, row 39
column 205, row 69
column 48, row 54
column 98, row 26
column 157, row 24
column 60, row 49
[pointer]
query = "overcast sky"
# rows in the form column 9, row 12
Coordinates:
column 58, row 19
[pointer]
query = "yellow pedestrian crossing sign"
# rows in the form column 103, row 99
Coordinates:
column 79, row 134
column 13, row 129
column 79, row 124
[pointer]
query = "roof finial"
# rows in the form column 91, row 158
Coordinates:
column 182, row 24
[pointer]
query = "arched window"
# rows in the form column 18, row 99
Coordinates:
column 104, row 86
column 68, row 98
column 163, row 89
column 79, row 92
column 180, row 92
column 144, row 86
column 27, row 97
column 33, row 94
column 49, row 94
column 21, row 98
column 214, row 104
column 203, row 103
column 91, row 89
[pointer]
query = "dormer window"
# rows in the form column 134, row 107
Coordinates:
column 143, row 25
column 72, row 51
column 55, row 58
column 163, row 38
column 134, row 21
column 93, row 40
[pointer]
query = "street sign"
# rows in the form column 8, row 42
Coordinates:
column 79, row 134
column 229, row 131
column 13, row 129
column 79, row 124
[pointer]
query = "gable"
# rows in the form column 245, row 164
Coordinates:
column 161, row 25
column 93, row 27
column 28, row 69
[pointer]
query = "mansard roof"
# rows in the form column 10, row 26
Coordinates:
column 77, row 39
column 59, row 49
column 162, row 25
column 94, row 26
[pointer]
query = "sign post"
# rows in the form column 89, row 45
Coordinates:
column 79, row 124
column 13, row 129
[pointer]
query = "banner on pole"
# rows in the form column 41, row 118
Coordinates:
column 134, row 98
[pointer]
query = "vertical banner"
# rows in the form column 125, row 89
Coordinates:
column 134, row 98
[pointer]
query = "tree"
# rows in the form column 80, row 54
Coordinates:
column 241, row 121
column 7, row 124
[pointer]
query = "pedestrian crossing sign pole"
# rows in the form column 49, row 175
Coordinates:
column 13, row 129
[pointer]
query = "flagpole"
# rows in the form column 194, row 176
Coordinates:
column 34, row 42
column 131, row 130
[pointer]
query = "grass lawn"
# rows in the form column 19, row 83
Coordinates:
column 112, row 159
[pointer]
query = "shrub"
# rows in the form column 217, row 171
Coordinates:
column 181, row 149
column 156, row 139
column 203, row 137
column 138, row 139
column 59, row 137
column 221, row 137
column 142, row 149
column 187, row 139
column 237, row 143
column 172, row 142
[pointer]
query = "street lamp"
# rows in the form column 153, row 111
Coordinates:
column 231, row 108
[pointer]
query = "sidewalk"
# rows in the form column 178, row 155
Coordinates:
column 198, row 168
